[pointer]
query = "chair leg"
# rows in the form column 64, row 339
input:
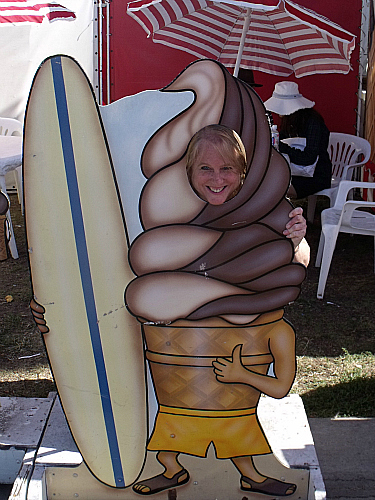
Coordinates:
column 3, row 239
column 319, row 253
column 332, row 196
column 311, row 204
column 12, row 241
column 19, row 184
column 330, row 238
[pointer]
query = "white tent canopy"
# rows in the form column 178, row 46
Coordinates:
column 24, row 45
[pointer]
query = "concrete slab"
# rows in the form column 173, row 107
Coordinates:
column 346, row 452
column 22, row 420
column 287, row 428
column 10, row 463
column 58, row 446
column 5, row 490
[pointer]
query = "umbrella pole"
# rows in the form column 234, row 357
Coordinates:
column 242, row 42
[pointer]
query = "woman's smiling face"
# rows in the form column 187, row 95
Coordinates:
column 213, row 178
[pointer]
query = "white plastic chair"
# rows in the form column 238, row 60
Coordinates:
column 10, row 126
column 343, row 217
column 346, row 153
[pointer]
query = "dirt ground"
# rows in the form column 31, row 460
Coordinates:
column 342, row 323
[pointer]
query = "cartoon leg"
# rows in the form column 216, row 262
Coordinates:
column 251, row 480
column 174, row 475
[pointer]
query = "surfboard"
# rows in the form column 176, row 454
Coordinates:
column 78, row 247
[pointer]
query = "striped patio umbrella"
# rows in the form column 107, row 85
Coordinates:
column 33, row 11
column 275, row 36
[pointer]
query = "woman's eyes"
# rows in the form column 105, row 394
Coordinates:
column 207, row 168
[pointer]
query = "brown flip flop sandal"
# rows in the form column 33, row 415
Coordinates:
column 160, row 483
column 269, row 487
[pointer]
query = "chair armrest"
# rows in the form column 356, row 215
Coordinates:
column 344, row 188
column 348, row 170
column 351, row 206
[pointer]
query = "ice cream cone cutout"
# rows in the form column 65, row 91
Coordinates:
column 207, row 277
column 213, row 274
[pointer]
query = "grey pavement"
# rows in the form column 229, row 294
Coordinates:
column 346, row 453
column 5, row 491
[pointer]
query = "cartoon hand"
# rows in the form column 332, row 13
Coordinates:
column 38, row 312
column 227, row 371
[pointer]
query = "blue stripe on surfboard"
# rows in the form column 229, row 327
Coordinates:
column 84, row 266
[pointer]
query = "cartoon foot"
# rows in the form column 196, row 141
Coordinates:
column 160, row 483
column 269, row 486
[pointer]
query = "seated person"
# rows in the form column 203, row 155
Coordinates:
column 299, row 119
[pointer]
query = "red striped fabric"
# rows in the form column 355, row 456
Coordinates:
column 282, row 38
column 23, row 11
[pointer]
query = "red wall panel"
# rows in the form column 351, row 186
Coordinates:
column 138, row 64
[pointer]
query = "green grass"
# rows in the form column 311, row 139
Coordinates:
column 342, row 386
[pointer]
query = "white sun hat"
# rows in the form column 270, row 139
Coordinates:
column 286, row 99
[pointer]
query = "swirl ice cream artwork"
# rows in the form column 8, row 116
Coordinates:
column 200, row 285
column 212, row 281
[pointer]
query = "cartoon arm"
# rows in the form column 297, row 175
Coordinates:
column 282, row 346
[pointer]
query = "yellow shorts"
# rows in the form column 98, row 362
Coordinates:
column 233, row 433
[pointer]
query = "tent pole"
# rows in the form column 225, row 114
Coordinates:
column 108, row 55
column 245, row 29
column 100, row 29
column 362, row 68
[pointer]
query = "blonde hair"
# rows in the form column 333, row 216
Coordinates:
column 226, row 142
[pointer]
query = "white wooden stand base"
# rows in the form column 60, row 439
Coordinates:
column 53, row 468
